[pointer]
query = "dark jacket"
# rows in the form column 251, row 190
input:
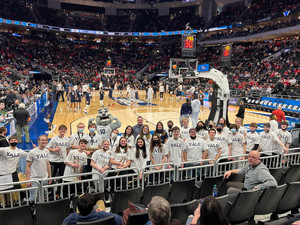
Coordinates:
column 73, row 218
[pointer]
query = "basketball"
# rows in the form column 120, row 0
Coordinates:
column 175, row 67
column 210, row 81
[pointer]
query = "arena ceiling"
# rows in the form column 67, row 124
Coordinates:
column 140, row 3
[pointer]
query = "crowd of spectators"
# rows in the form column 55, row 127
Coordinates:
column 248, row 68
column 79, row 61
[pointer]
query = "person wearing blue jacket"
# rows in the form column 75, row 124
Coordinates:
column 185, row 111
column 87, row 212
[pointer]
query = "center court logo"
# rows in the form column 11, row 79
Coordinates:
column 130, row 102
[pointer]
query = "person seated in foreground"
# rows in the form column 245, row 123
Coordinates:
column 257, row 175
column 87, row 212
column 209, row 212
column 159, row 212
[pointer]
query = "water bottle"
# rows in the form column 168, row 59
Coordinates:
column 215, row 191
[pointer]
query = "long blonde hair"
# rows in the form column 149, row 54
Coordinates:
column 148, row 136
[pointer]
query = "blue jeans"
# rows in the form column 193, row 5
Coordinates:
column 191, row 173
column 32, row 192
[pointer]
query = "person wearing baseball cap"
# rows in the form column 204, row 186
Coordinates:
column 284, row 136
column 268, row 140
column 195, row 149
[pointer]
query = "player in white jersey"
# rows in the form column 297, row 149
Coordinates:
column 238, row 143
column 240, row 128
column 268, row 141
column 76, row 137
column 224, row 140
column 9, row 160
column 161, row 90
column 85, row 88
column 214, row 146
column 149, row 95
column 195, row 110
column 284, row 136
column 175, row 147
column 184, row 130
column 38, row 166
column 202, row 130
column 114, row 139
column 252, row 138
column 138, row 155
column 59, row 147
column 128, row 134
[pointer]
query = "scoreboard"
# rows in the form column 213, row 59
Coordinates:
column 188, row 45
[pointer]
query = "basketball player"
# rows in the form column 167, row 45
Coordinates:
column 101, row 94
column 72, row 97
column 88, row 97
column 149, row 95
column 195, row 110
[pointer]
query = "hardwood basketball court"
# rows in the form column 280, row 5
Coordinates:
column 163, row 111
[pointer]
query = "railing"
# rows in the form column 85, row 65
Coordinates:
column 153, row 175
column 121, row 179
column 197, row 170
column 230, row 163
column 19, row 196
column 60, row 188
column 126, row 179
column 291, row 158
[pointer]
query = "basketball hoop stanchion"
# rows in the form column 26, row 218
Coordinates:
column 189, row 68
